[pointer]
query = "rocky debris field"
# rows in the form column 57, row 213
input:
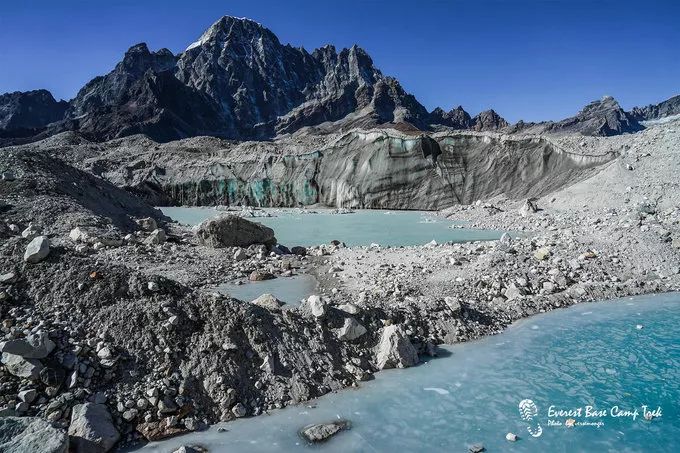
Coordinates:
column 113, row 332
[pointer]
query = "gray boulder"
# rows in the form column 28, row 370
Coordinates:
column 92, row 429
column 233, row 231
column 321, row 432
column 351, row 330
column 30, row 435
column 156, row 237
column 395, row 349
column 37, row 250
column 20, row 367
column 35, row 346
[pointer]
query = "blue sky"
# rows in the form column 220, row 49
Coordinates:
column 528, row 59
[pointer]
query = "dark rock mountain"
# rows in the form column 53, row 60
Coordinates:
column 142, row 95
column 488, row 120
column 29, row 110
column 652, row 112
column 263, row 87
column 456, row 118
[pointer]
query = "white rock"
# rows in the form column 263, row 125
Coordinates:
column 395, row 349
column 351, row 330
column 79, row 235
column 30, row 232
column 268, row 301
column 156, row 237
column 37, row 250
column 511, row 437
column 317, row 306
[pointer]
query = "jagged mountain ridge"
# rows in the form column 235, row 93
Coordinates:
column 239, row 82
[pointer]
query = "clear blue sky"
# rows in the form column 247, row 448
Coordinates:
column 528, row 59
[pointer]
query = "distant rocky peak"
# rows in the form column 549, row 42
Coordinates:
column 456, row 118
column 604, row 104
column 232, row 30
column 138, row 59
column 488, row 120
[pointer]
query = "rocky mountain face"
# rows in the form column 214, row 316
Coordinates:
column 456, row 118
column 26, row 111
column 604, row 117
column 488, row 120
column 666, row 108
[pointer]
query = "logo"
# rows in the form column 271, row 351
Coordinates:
column 528, row 411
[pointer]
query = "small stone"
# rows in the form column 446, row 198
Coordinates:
column 147, row 224
column 258, row 276
column 268, row 301
column 79, row 235
column 511, row 437
column 317, row 306
column 240, row 255
column 152, row 286
column 8, row 278
column 156, row 237
column 130, row 414
column 542, row 254
column 351, row 330
column 239, row 410
column 28, row 396
column 477, row 448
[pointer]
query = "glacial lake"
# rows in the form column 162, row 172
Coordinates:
column 290, row 290
column 363, row 227
column 614, row 356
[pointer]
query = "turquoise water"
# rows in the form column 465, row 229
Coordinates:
column 290, row 290
column 393, row 228
column 590, row 354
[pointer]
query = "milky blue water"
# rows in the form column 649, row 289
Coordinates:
column 363, row 227
column 290, row 290
column 590, row 354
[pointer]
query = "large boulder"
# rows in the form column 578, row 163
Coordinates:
column 35, row 346
column 233, row 231
column 37, row 250
column 321, row 432
column 21, row 367
column 395, row 349
column 29, row 435
column 92, row 429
